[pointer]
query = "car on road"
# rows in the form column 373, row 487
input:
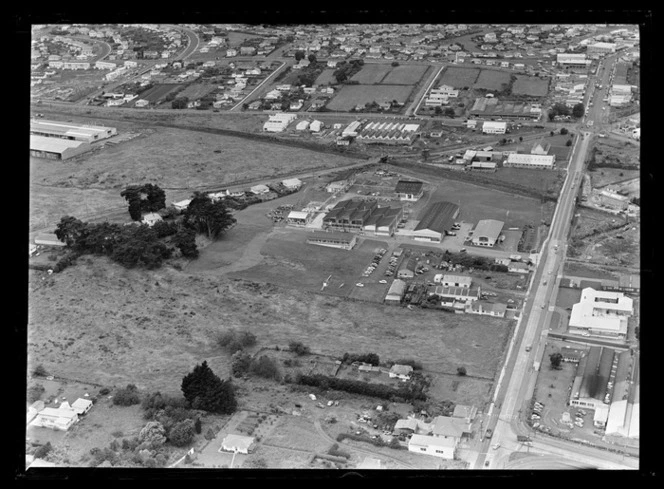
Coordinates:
column 359, row 284
column 585, row 334
column 462, row 250
column 488, row 433
column 382, row 281
column 496, row 446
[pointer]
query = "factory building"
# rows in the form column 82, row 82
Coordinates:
column 56, row 149
column 73, row 132
column 487, row 232
column 435, row 219
column 344, row 241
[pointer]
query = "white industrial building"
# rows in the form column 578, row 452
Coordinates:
column 456, row 281
column 487, row 232
column 536, row 161
column 601, row 48
column 433, row 445
column 75, row 132
column 601, row 313
column 573, row 60
column 490, row 127
column 278, row 122
column 299, row 218
column 56, row 148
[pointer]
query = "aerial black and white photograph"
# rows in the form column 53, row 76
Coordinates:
column 354, row 246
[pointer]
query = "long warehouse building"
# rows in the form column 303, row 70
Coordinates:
column 435, row 220
column 55, row 148
column 74, row 132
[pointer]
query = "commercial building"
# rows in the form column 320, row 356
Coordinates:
column 433, row 445
column 572, row 60
column 299, row 218
column 456, row 281
column 409, row 190
column 487, row 232
column 383, row 221
column 435, row 219
column 395, row 293
column 278, row 122
column 535, row 161
column 55, row 148
column 407, row 269
column 492, row 107
column 73, row 132
column 345, row 241
column 449, row 295
column 487, row 309
column 490, row 127
column 292, row 183
column 590, row 388
column 601, row 313
column 601, row 48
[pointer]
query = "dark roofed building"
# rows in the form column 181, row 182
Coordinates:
column 350, row 215
column 435, row 219
column 409, row 190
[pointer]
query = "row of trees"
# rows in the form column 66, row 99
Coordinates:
column 345, row 70
column 144, row 198
column 561, row 109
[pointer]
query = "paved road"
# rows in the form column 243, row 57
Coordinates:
column 517, row 379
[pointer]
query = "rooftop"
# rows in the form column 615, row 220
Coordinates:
column 438, row 216
column 408, row 187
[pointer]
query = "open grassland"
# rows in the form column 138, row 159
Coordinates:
column 326, row 77
column 371, row 73
column 352, row 95
column 492, row 80
column 100, row 323
column 405, row 75
column 530, row 85
column 459, row 77
column 178, row 161
column 601, row 177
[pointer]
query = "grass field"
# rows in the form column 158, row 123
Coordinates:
column 458, row 77
column 371, row 73
column 352, row 95
column 405, row 75
column 601, row 177
column 492, row 80
column 326, row 77
column 530, row 85
column 195, row 91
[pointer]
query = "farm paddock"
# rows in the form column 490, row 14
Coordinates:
column 493, row 80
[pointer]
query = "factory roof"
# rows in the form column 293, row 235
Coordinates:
column 438, row 216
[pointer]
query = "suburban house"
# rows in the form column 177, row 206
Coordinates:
column 450, row 427
column 81, row 406
column 402, row 372
column 487, row 309
column 151, row 218
column 260, row 189
column 61, row 418
column 409, row 190
column 33, row 410
column 517, row 267
column 467, row 413
column 292, row 183
column 237, row 443
column 182, row 205
column 433, row 445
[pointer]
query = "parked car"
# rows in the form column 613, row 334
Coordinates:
column 359, row 284
column 488, row 433
column 382, row 281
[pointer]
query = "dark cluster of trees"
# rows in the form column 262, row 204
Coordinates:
column 206, row 391
column 345, row 70
column 447, row 111
column 561, row 109
column 370, row 358
column 144, row 198
column 232, row 340
column 206, row 216
column 414, row 390
column 470, row 261
column 298, row 348
column 556, row 360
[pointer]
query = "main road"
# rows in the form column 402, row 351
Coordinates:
column 517, row 379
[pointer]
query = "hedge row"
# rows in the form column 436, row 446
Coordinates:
column 363, row 388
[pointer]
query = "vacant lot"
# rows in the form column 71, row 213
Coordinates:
column 459, row 77
column 493, row 80
column 530, row 85
column 352, row 95
column 371, row 73
column 546, row 181
column 405, row 75
column 601, row 177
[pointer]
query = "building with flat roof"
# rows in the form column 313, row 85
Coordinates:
column 74, row 132
column 601, row 313
column 487, row 309
column 572, row 60
column 601, row 48
column 435, row 219
column 298, row 218
column 278, row 122
column 535, row 161
column 456, row 281
column 623, row 417
column 345, row 241
column 487, row 232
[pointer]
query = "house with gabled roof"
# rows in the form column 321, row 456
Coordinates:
column 402, row 372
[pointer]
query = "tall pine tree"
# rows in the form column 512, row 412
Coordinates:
column 204, row 390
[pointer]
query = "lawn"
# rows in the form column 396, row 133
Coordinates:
column 371, row 73
column 567, row 297
column 530, row 85
column 458, row 77
column 405, row 75
column 352, row 95
column 492, row 80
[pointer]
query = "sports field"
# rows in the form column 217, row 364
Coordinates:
column 530, row 85
column 371, row 73
column 405, row 75
column 459, row 77
column 492, row 80
column 352, row 95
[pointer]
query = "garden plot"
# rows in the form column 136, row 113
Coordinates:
column 459, row 77
column 493, row 80
column 405, row 75
column 350, row 96
column 371, row 73
column 158, row 92
column 531, row 86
